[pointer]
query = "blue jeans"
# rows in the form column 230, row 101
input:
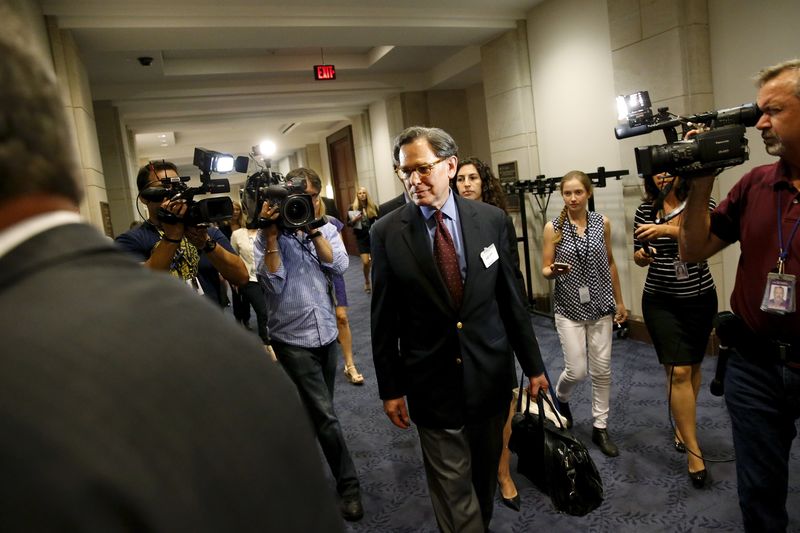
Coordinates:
column 312, row 370
column 763, row 401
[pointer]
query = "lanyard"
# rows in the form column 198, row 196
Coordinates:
column 783, row 249
column 574, row 235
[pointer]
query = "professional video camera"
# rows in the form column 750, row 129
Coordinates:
column 199, row 212
column 294, row 204
column 724, row 145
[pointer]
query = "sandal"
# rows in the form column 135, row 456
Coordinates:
column 352, row 375
column 367, row 288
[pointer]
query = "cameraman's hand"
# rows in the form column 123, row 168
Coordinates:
column 270, row 212
column 177, row 208
column 197, row 235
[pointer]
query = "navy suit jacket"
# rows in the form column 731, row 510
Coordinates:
column 453, row 365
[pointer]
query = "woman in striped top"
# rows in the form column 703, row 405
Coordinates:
column 678, row 304
column 587, row 299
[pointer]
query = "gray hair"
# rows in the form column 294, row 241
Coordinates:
column 37, row 154
column 769, row 73
column 441, row 142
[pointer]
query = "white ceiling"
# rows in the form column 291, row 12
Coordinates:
column 227, row 74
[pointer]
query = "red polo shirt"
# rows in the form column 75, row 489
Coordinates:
column 749, row 214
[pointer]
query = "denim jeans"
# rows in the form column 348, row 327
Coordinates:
column 312, row 370
column 763, row 402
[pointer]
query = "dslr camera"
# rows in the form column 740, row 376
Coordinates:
column 294, row 205
column 199, row 212
column 723, row 145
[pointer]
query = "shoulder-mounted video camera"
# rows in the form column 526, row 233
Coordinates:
column 199, row 212
column 295, row 206
column 724, row 145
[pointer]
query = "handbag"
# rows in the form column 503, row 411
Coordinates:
column 556, row 461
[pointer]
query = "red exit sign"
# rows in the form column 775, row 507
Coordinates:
column 324, row 72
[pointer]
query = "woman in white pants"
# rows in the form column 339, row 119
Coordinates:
column 587, row 299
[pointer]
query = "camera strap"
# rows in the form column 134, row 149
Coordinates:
column 325, row 271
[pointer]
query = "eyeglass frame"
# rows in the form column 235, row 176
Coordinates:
column 418, row 169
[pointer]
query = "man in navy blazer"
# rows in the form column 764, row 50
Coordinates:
column 126, row 403
column 452, row 363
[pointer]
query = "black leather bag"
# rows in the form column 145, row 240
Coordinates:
column 554, row 459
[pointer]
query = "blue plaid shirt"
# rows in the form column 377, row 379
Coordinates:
column 299, row 304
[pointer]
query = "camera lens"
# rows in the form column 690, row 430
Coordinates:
column 297, row 211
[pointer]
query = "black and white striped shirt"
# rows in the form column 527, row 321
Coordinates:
column 661, row 277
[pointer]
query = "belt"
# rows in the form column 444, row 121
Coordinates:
column 733, row 332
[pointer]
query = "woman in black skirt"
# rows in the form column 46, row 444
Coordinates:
column 363, row 213
column 678, row 304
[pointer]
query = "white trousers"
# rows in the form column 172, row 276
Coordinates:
column 587, row 341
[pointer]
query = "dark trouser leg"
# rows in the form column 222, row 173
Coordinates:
column 312, row 371
column 446, row 456
column 253, row 295
column 763, row 404
column 486, row 444
column 241, row 307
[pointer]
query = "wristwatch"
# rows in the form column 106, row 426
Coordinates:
column 210, row 245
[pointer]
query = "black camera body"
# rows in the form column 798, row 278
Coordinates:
column 719, row 148
column 724, row 145
column 295, row 206
column 199, row 212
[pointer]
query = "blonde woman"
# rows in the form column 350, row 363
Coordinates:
column 363, row 213
column 587, row 299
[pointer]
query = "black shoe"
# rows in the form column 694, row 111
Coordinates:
column 511, row 503
column 603, row 441
column 680, row 447
column 352, row 510
column 699, row 478
column 563, row 408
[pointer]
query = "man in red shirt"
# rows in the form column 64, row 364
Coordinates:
column 762, row 383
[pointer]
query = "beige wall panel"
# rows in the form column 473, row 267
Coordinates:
column 659, row 16
column 87, row 139
column 655, row 65
column 625, row 23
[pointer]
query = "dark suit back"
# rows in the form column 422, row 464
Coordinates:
column 451, row 364
column 127, row 402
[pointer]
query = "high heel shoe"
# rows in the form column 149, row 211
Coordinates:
column 680, row 447
column 699, row 478
column 511, row 503
column 353, row 376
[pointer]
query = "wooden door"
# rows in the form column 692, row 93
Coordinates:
column 344, row 178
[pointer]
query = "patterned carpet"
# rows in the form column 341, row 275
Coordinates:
column 646, row 487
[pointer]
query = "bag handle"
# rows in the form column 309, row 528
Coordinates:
column 540, row 399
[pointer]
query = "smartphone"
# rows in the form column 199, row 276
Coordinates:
column 560, row 266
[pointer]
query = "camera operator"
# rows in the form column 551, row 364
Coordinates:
column 294, row 268
column 762, row 382
column 177, row 248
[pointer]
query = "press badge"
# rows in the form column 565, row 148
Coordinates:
column 583, row 295
column 779, row 296
column 489, row 255
column 681, row 270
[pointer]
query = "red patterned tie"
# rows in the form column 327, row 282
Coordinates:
column 444, row 251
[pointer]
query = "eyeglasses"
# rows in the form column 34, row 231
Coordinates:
column 423, row 171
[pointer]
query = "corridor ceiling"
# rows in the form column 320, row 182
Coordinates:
column 227, row 74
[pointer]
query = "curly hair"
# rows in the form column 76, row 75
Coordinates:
column 587, row 184
column 491, row 190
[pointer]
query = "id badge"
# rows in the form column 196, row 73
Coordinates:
column 583, row 294
column 779, row 294
column 681, row 270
